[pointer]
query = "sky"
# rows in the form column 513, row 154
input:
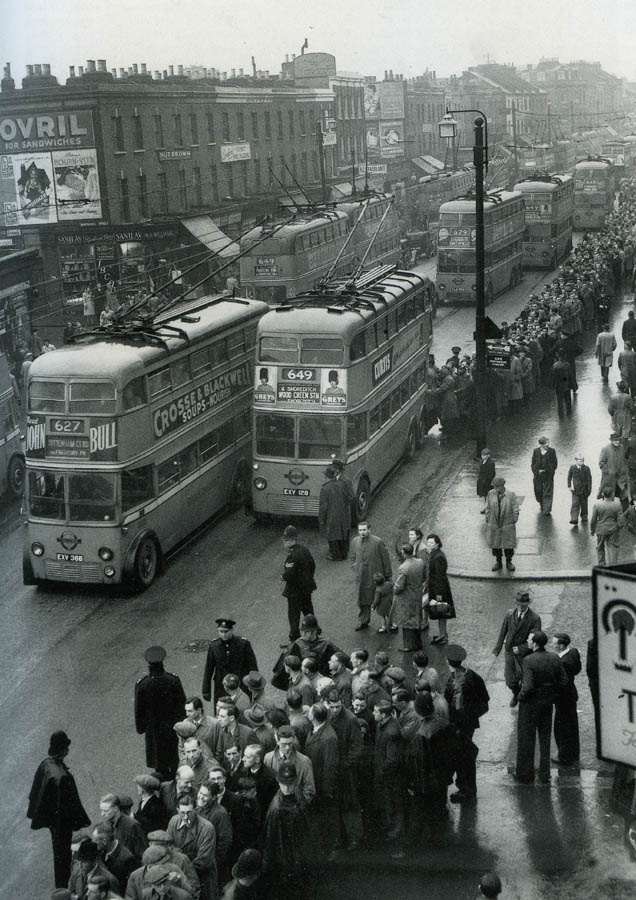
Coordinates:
column 366, row 36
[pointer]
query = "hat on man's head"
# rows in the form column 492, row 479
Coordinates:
column 287, row 773
column 330, row 472
column 498, row 481
column 254, row 680
column 338, row 464
column 87, row 851
column 61, row 894
column 225, row 622
column 152, row 855
column 155, row 654
column 255, row 715
column 455, row 653
column 125, row 802
column 309, row 623
column 148, row 782
column 396, row 673
column 544, row 440
column 185, row 729
column 159, row 837
column 58, row 741
column 456, row 349
column 424, row 705
column 290, row 533
column 250, row 862
column 524, row 595
column 614, row 437
column 155, row 874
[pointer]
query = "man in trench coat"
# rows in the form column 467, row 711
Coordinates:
column 369, row 555
column 502, row 513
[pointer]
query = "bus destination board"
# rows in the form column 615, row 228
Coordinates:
column 456, row 236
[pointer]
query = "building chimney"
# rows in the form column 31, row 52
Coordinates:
column 233, row 73
column 101, row 65
column 223, row 76
column 71, row 71
column 90, row 65
column 135, row 69
column 114, row 73
column 37, row 69
column 144, row 69
column 130, row 71
column 121, row 73
column 240, row 73
column 171, row 70
column 157, row 75
column 80, row 70
column 165, row 73
column 46, row 69
column 8, row 84
column 179, row 70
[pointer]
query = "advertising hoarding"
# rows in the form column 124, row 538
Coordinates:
column 391, row 139
column 235, row 152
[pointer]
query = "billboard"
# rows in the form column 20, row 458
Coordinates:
column 48, row 169
column 384, row 100
column 391, row 136
column 235, row 152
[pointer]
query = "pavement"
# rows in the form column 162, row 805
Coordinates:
column 549, row 548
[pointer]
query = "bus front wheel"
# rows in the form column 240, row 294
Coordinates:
column 241, row 495
column 15, row 477
column 362, row 500
column 411, row 442
column 146, row 562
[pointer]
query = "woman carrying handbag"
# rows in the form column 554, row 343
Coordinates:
column 440, row 597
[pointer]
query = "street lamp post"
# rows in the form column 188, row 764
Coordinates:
column 448, row 130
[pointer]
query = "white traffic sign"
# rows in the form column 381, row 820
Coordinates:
column 614, row 604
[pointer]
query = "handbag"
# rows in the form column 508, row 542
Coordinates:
column 439, row 609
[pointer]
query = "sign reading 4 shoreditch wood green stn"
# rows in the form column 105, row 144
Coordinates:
column 614, row 604
column 182, row 410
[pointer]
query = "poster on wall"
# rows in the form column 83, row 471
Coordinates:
column 30, row 176
column 392, row 139
column 76, row 184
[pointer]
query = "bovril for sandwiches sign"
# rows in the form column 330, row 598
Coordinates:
column 53, row 130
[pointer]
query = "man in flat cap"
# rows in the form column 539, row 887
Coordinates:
column 502, row 514
column 86, row 864
column 228, row 653
column 54, row 803
column 159, row 702
column 518, row 624
column 151, row 813
column 286, row 838
column 467, row 699
column 614, row 471
column 544, row 465
column 298, row 575
column 173, row 857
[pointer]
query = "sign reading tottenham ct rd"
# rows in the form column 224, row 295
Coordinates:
column 614, row 603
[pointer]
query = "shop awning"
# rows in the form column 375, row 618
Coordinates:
column 208, row 232
column 428, row 164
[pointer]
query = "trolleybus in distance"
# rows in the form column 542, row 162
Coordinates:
column 137, row 435
column 504, row 225
column 340, row 373
column 298, row 255
column 11, row 449
column 594, row 191
column 549, row 201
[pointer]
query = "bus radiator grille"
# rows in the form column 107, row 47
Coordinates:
column 67, row 571
column 293, row 506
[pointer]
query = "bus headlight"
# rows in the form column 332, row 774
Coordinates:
column 255, row 466
column 260, row 483
column 105, row 553
column 441, row 287
column 109, row 571
column 37, row 549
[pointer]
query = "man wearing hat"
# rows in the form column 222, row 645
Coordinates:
column 502, row 514
column 485, row 476
column 286, row 752
column 388, row 772
column 153, row 881
column 86, row 864
column 312, row 645
column 467, row 699
column 369, row 555
column 518, row 624
column 490, row 886
column 117, row 858
column 544, row 465
column 298, row 575
column 246, row 873
column 151, row 813
column 334, row 515
column 159, row 702
column 347, row 486
column 566, row 720
column 54, row 803
column 614, row 471
column 286, row 838
column 174, row 858
column 227, row 653
column 429, row 766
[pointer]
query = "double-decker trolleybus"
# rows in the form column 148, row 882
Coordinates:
column 300, row 254
column 340, row 372
column 137, row 433
column 594, row 191
column 549, row 203
column 504, row 224
column 11, row 451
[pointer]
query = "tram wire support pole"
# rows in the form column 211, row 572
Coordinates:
column 321, row 157
column 448, row 130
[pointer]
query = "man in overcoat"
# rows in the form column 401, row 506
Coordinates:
column 334, row 514
column 544, row 465
column 407, row 599
column 580, row 484
column 159, row 703
column 195, row 837
column 614, row 471
column 54, row 803
column 467, row 699
column 566, row 720
column 298, row 575
column 369, row 555
column 228, row 653
column 502, row 514
column 518, row 624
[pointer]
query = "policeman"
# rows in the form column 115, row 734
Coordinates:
column 298, row 575
column 227, row 654
column 159, row 701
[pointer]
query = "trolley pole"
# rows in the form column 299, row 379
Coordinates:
column 479, row 159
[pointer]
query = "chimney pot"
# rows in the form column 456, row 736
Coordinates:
column 171, row 70
column 46, row 68
column 37, row 69
column 179, row 70
column 114, row 73
column 80, row 70
column 157, row 75
column 144, row 69
column 165, row 73
column 233, row 73
column 121, row 73
column 135, row 69
column 241, row 72
column 90, row 65
column 71, row 71
column 101, row 65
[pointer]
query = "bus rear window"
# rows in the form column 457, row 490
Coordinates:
column 92, row 397
column 279, row 349
column 275, row 435
column 46, row 396
column 328, row 351
column 91, row 497
column 319, row 437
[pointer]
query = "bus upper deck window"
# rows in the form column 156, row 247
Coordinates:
column 278, row 348
column 201, row 362
column 219, row 352
column 135, row 393
column 357, row 349
column 325, row 351
column 159, row 383
column 92, row 397
column 181, row 372
column 46, row 396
